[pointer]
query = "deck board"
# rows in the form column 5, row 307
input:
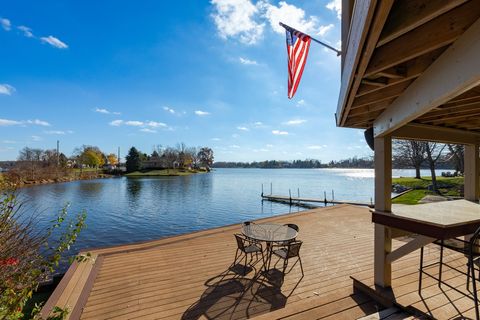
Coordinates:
column 188, row 277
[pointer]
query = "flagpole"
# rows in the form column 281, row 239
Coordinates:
column 288, row 28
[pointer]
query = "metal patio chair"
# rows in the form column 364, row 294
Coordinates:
column 247, row 247
column 471, row 250
column 290, row 251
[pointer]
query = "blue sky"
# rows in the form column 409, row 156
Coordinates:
column 146, row 73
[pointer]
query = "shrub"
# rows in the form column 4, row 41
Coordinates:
column 28, row 256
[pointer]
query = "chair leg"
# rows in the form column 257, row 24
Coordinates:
column 301, row 265
column 474, row 287
column 469, row 271
column 245, row 266
column 440, row 265
column 285, row 263
column 421, row 271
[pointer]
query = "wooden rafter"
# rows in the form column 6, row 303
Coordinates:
column 456, row 71
column 414, row 68
column 408, row 15
column 432, row 35
column 377, row 96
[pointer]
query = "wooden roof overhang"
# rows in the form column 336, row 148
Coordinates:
column 411, row 64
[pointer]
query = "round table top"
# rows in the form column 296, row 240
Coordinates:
column 270, row 232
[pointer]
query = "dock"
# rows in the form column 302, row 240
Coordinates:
column 299, row 200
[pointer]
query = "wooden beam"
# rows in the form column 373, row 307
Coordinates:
column 381, row 95
column 377, row 106
column 347, row 9
column 472, row 171
column 375, row 83
column 457, row 117
column 453, row 111
column 383, row 202
column 409, row 247
column 415, row 131
column 414, row 68
column 353, row 73
column 430, row 36
column 361, row 19
column 392, row 74
column 408, row 15
column 456, row 71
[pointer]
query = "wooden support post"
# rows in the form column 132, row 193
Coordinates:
column 472, row 172
column 383, row 202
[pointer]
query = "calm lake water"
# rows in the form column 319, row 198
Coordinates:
column 124, row 210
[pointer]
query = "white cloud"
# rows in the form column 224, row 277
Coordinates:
column 237, row 18
column 155, row 124
column 247, row 61
column 55, row 42
column 58, row 132
column 106, row 111
column 215, row 139
column 6, row 24
column 146, row 126
column 6, row 89
column 27, row 32
column 6, row 122
column 323, row 30
column 201, row 113
column 335, row 5
column 9, row 141
column 269, row 145
column 294, row 17
column 258, row 123
column 38, row 122
column 295, row 122
column 243, row 128
column 315, row 147
column 36, row 138
column 172, row 111
column 279, row 133
column 301, row 103
column 134, row 123
column 234, row 146
column 116, row 123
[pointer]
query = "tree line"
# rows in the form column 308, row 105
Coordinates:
column 181, row 156
column 354, row 162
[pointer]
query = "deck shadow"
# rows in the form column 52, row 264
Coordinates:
column 234, row 296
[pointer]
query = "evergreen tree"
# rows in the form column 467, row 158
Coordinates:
column 133, row 160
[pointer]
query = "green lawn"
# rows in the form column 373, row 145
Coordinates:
column 447, row 187
column 164, row 172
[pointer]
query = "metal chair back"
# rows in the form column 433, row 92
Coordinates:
column 293, row 226
column 293, row 249
column 474, row 248
column 240, row 242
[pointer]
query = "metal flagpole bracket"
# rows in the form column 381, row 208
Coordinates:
column 288, row 28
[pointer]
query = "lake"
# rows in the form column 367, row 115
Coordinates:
column 125, row 210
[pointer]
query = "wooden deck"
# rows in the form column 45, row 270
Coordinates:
column 188, row 276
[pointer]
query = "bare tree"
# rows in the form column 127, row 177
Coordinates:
column 433, row 151
column 411, row 153
column 456, row 153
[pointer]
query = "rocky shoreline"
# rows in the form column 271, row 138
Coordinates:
column 28, row 183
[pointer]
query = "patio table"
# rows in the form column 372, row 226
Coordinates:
column 431, row 221
column 269, row 233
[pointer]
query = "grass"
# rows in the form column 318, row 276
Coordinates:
column 163, row 172
column 448, row 186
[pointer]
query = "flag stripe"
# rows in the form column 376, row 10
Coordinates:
column 297, row 50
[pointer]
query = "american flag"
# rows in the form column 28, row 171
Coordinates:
column 297, row 47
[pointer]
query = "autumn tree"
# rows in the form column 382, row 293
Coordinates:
column 456, row 153
column 112, row 159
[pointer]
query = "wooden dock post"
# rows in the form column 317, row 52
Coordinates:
column 290, row 193
column 333, row 196
column 271, row 187
column 262, row 190
column 325, row 198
